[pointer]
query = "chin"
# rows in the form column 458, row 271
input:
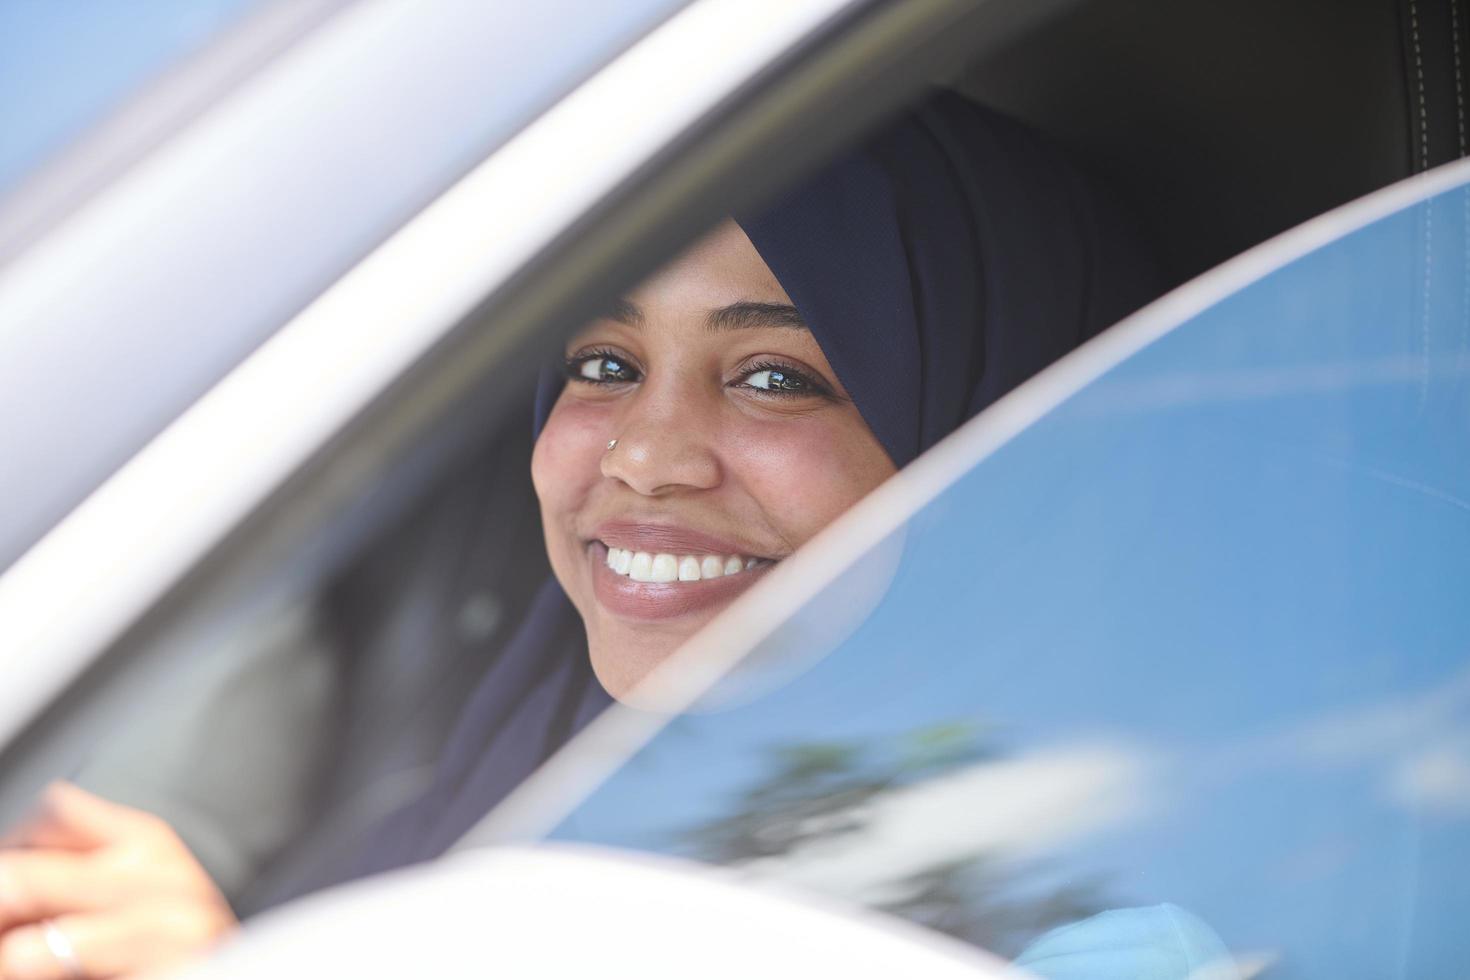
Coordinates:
column 621, row 666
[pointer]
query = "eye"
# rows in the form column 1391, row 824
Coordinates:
column 781, row 379
column 601, row 367
column 773, row 380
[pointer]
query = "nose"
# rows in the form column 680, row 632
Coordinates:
column 665, row 444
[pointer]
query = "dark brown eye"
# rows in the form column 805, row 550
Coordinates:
column 774, row 379
column 601, row 368
column 785, row 380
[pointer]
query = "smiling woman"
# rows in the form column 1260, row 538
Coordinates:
column 733, row 442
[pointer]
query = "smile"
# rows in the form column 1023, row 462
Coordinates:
column 641, row 566
column 656, row 585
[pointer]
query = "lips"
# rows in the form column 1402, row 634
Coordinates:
column 657, row 572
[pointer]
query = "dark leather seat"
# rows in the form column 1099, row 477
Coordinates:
column 1227, row 123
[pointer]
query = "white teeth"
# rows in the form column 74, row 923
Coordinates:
column 641, row 566
column 665, row 568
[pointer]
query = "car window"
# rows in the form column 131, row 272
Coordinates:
column 1191, row 637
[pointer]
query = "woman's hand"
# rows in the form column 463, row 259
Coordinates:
column 114, row 887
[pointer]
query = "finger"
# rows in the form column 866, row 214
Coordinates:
column 40, row 826
column 29, row 953
column 69, row 816
column 108, row 944
column 36, row 885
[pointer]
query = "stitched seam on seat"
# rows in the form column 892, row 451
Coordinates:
column 1419, row 73
column 1459, row 84
column 1464, row 195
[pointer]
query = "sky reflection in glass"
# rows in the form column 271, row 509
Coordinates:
column 1198, row 636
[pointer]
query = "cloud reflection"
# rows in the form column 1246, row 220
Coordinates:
column 1420, row 740
column 1012, row 808
column 1436, row 779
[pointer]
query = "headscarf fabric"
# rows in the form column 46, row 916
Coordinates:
column 945, row 261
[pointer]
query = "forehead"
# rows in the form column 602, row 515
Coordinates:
column 721, row 268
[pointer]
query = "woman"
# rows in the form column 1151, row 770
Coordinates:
column 724, row 412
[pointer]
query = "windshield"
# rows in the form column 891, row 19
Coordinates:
column 1195, row 639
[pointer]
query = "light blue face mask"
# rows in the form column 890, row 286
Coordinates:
column 1158, row 942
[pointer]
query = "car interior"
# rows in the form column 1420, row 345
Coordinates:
column 1221, row 125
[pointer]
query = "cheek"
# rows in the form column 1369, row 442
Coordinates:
column 567, row 460
column 805, row 475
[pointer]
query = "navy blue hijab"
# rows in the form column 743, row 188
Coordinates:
column 940, row 264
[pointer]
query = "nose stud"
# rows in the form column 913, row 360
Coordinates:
column 612, row 444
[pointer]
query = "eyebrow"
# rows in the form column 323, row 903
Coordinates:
column 739, row 316
column 736, row 316
column 624, row 311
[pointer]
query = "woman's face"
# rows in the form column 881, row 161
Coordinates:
column 735, row 444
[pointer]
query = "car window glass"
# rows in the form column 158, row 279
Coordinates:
column 1189, row 652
